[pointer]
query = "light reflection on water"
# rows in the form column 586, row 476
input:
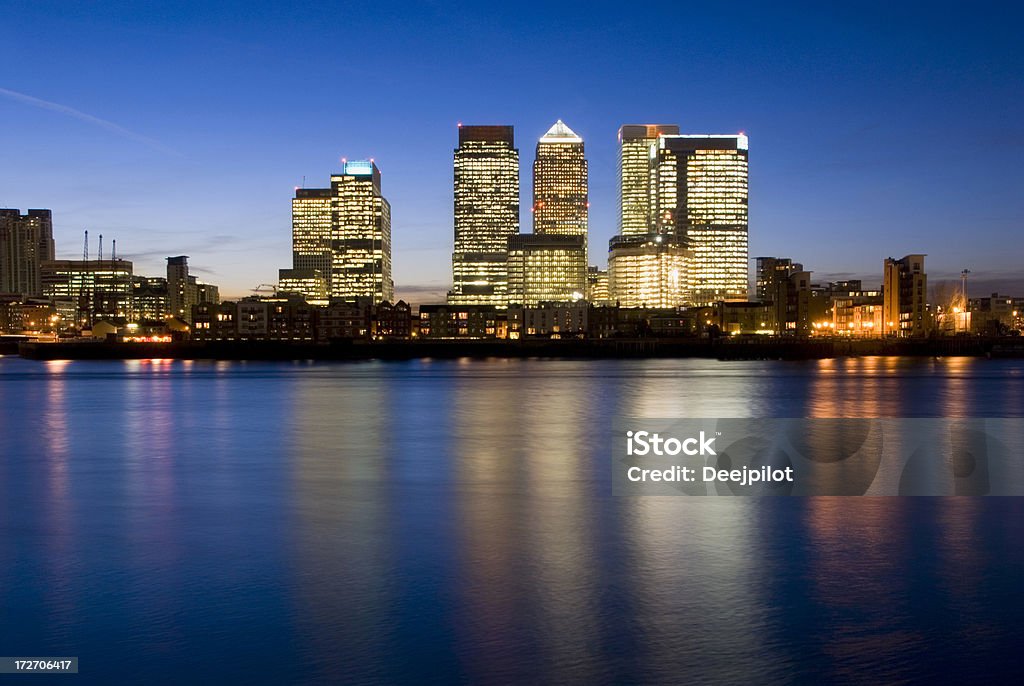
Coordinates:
column 402, row 521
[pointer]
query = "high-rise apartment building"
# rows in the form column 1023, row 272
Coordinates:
column 360, row 235
column 904, row 294
column 26, row 241
column 184, row 290
column 636, row 150
column 787, row 287
column 486, row 214
column 699, row 194
column 560, row 196
column 546, row 268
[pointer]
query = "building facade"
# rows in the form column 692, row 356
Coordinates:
column 904, row 297
column 546, row 268
column 486, row 214
column 26, row 241
column 311, row 231
column 360, row 234
column 100, row 289
column 308, row 283
column 648, row 270
column 636, row 146
column 700, row 196
column 560, row 196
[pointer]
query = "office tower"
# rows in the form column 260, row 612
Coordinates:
column 311, row 230
column 101, row 289
column 149, row 299
column 360, row 235
column 648, row 271
column 560, row 199
column 341, row 238
column 486, row 214
column 309, row 283
column 700, row 195
column 26, row 241
column 635, row 174
column 546, row 268
column 904, row 293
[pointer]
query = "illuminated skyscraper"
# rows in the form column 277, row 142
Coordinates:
column 546, row 268
column 648, row 271
column 560, row 199
column 360, row 234
column 311, row 230
column 635, row 174
column 486, row 214
column 341, row 238
column 700, row 195
column 26, row 241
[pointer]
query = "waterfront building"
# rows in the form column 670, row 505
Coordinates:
column 548, row 320
column 637, row 146
column 546, row 267
column 100, row 289
column 904, row 292
column 786, row 288
column 150, row 301
column 560, row 186
column 184, row 290
column 460, row 321
column 392, row 321
column 486, row 209
column 648, row 270
column 26, row 241
column 699, row 194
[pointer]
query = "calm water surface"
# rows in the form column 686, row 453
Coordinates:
column 453, row 522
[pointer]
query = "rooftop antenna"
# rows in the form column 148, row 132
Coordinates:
column 99, row 256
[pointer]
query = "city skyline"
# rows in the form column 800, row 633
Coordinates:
column 122, row 147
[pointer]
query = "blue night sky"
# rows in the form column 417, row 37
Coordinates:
column 179, row 128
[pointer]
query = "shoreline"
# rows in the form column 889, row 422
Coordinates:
column 721, row 349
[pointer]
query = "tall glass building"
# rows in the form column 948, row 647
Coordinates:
column 648, row 271
column 700, row 195
column 486, row 214
column 546, row 268
column 311, row 231
column 360, row 235
column 636, row 142
column 342, row 236
column 560, row 200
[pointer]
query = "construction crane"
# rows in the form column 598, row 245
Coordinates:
column 263, row 288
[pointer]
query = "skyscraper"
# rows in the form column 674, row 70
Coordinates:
column 699, row 194
column 341, row 238
column 635, row 174
column 486, row 214
column 648, row 271
column 26, row 241
column 311, row 231
column 360, row 234
column 560, row 199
